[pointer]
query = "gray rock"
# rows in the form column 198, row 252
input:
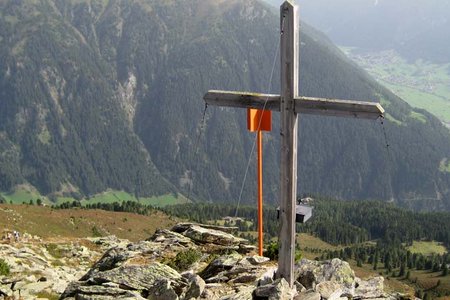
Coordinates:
column 257, row 260
column 82, row 290
column 241, row 293
column 220, row 278
column 181, row 227
column 244, row 248
column 329, row 290
column 372, row 288
column 5, row 290
column 140, row 277
column 167, row 236
column 113, row 258
column 299, row 287
column 268, row 276
column 155, row 279
column 225, row 262
column 234, row 270
column 244, row 277
column 212, row 236
column 36, row 287
column 196, row 285
column 278, row 290
column 217, row 291
column 71, row 289
column 308, row 295
column 310, row 272
column 162, row 290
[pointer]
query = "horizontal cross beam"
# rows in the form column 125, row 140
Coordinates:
column 243, row 100
column 304, row 105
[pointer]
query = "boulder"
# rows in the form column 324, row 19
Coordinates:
column 244, row 248
column 225, row 262
column 36, row 287
column 212, row 236
column 155, row 279
column 235, row 269
column 170, row 237
column 181, row 227
column 140, row 277
column 277, row 290
column 113, row 258
column 244, row 292
column 268, row 276
column 5, row 290
column 372, row 288
column 196, row 285
column 218, row 291
column 81, row 290
column 311, row 272
column 257, row 260
column 162, row 290
column 308, row 295
column 329, row 290
column 299, row 287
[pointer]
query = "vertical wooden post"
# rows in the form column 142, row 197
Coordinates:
column 288, row 177
column 260, row 194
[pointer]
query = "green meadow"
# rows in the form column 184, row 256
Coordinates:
column 422, row 84
column 25, row 194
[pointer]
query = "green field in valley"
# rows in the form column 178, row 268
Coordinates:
column 427, row 248
column 24, row 193
column 421, row 84
column 21, row 194
column 119, row 196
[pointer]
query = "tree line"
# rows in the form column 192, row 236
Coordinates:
column 336, row 222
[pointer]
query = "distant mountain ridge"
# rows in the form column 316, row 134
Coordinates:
column 108, row 94
column 416, row 29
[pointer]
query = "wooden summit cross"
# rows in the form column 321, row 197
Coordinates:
column 289, row 104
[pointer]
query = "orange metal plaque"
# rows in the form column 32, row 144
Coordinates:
column 259, row 119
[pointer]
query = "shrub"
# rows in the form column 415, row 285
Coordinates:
column 4, row 268
column 54, row 250
column 272, row 251
column 185, row 259
column 96, row 232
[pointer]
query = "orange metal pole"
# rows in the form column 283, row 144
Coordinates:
column 260, row 195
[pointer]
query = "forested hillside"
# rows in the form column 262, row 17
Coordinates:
column 108, row 94
column 336, row 222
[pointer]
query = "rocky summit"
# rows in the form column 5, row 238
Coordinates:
column 190, row 261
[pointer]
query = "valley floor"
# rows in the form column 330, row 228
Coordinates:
column 421, row 84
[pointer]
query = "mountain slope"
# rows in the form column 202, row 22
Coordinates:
column 417, row 30
column 62, row 125
column 109, row 94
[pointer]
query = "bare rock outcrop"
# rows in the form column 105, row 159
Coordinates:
column 334, row 279
column 190, row 261
column 147, row 268
column 42, row 267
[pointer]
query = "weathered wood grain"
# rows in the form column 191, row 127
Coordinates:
column 289, row 126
